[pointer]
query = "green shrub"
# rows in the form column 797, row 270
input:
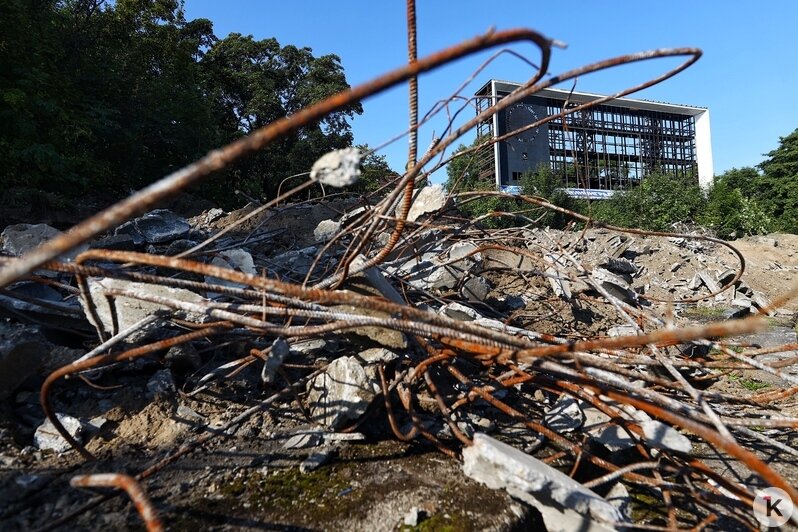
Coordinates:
column 658, row 202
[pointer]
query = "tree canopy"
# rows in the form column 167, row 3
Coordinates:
column 113, row 95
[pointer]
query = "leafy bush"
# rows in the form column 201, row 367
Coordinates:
column 731, row 215
column 660, row 201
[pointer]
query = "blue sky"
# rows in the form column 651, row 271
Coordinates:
column 747, row 76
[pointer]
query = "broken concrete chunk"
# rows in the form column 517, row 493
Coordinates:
column 621, row 330
column 47, row 437
column 708, row 281
column 614, row 438
column 340, row 394
column 465, row 252
column 161, row 384
column 120, row 242
column 232, row 259
column 726, row 276
column 309, row 346
column 188, row 414
column 460, row 312
column 20, row 238
column 183, row 356
column 326, row 230
column 662, row 436
column 500, row 466
column 475, row 289
column 695, row 282
column 621, row 265
column 316, row 459
column 23, row 350
column 564, row 415
column 304, row 439
column 127, row 311
column 338, row 168
column 614, row 285
column 274, row 360
column 761, row 302
column 429, row 199
column 559, row 284
column 155, row 227
column 240, row 260
column 503, row 258
column 386, row 337
column 619, row 497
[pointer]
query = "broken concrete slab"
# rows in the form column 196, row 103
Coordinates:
column 326, row 230
column 127, row 311
column 18, row 239
column 662, row 436
column 500, row 466
column 559, row 284
column 155, row 227
column 429, row 199
column 475, row 289
column 564, row 415
column 344, row 391
column 614, row 285
column 708, row 281
column 460, row 312
column 23, row 350
column 274, row 360
column 47, row 437
column 390, row 338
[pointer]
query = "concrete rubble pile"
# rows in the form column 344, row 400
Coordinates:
column 455, row 338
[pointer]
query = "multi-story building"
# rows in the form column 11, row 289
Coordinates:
column 597, row 150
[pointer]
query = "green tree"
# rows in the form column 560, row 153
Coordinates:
column 547, row 184
column 97, row 95
column 746, row 179
column 254, row 82
column 730, row 213
column 105, row 96
column 374, row 171
column 777, row 188
column 659, row 201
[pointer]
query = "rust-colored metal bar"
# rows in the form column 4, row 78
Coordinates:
column 131, row 487
column 412, row 55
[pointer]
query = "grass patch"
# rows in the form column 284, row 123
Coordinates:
column 752, row 385
column 439, row 522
